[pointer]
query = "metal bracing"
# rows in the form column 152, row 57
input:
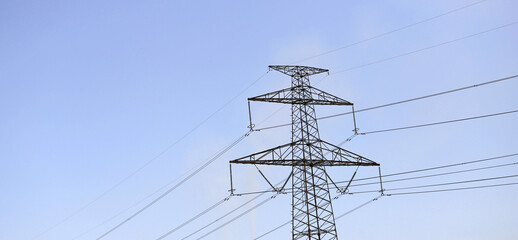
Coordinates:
column 307, row 154
column 282, row 155
column 289, row 96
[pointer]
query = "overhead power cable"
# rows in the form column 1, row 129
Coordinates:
column 416, row 171
column 402, row 101
column 147, row 163
column 397, row 194
column 440, row 167
column 453, row 183
column 410, row 178
column 225, row 215
column 136, row 203
column 237, row 217
column 170, row 232
column 176, row 185
column 218, row 219
column 426, row 186
column 453, row 189
column 424, row 49
column 438, row 123
column 273, row 230
column 435, row 185
column 389, row 32
column 195, row 217
column 432, row 175
column 139, row 202
column 401, row 173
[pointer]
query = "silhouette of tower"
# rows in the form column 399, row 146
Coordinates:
column 307, row 154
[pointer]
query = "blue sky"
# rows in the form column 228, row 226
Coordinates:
column 92, row 90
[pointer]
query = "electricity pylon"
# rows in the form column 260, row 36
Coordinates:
column 307, row 154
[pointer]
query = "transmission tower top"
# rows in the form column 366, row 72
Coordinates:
column 297, row 70
column 301, row 91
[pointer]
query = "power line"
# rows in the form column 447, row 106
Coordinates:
column 235, row 209
column 135, row 204
column 443, row 166
column 218, row 219
column 422, row 186
column 195, row 217
column 453, row 189
column 416, row 171
column 236, row 217
column 396, row 194
column 138, row 202
column 453, row 183
column 418, row 177
column 176, row 185
column 435, row 185
column 423, row 49
column 389, row 32
column 353, row 185
column 395, row 174
column 151, row 160
column 273, row 230
column 356, row 208
column 432, row 175
column 143, row 199
column 438, row 123
column 402, row 101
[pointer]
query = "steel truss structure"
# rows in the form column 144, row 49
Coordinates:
column 307, row 155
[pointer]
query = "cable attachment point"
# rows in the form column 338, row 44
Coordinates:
column 231, row 191
column 279, row 191
column 382, row 191
column 248, row 133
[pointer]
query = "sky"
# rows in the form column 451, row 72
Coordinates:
column 105, row 104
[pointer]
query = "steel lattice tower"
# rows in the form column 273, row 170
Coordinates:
column 307, row 154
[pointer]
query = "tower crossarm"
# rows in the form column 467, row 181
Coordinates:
column 292, row 96
column 310, row 163
column 297, row 70
column 281, row 156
